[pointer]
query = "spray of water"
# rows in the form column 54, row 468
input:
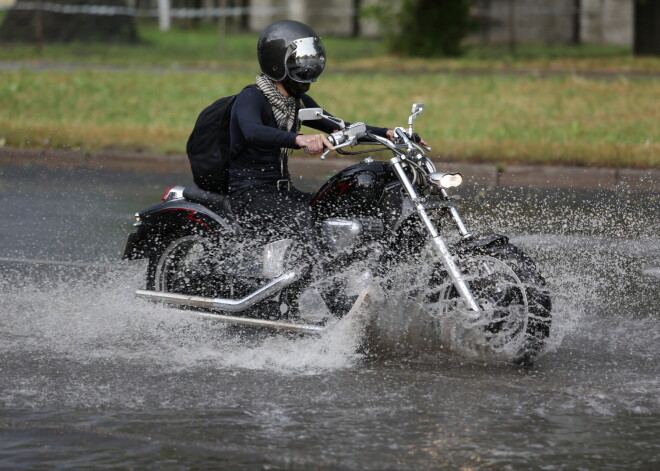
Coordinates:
column 92, row 315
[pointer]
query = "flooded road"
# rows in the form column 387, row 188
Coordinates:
column 93, row 378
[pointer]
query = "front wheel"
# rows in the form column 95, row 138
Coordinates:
column 515, row 317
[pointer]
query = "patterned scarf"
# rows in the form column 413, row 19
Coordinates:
column 284, row 108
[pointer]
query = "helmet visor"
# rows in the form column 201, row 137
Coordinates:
column 305, row 60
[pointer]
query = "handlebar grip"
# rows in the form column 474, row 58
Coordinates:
column 336, row 139
column 414, row 138
column 367, row 137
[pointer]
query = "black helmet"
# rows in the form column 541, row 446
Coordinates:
column 290, row 49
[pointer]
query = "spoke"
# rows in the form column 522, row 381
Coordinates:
column 498, row 291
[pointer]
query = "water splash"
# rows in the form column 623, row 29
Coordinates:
column 61, row 327
column 100, row 318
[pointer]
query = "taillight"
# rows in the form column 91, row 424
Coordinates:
column 167, row 195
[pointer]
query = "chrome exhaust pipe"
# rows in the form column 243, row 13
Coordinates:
column 257, row 323
column 218, row 304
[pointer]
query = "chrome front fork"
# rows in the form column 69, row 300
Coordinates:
column 446, row 256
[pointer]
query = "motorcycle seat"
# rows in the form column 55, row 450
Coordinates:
column 215, row 201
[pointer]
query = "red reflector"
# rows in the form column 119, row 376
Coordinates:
column 167, row 193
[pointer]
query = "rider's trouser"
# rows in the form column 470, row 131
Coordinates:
column 275, row 212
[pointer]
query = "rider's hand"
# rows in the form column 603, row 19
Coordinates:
column 392, row 137
column 314, row 143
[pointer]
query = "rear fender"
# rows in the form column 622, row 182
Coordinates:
column 162, row 222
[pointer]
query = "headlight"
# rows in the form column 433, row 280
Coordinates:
column 446, row 179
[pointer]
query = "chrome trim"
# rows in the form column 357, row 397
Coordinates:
column 372, row 226
column 346, row 137
column 340, row 234
column 417, row 109
column 308, row 114
column 275, row 257
column 457, row 218
column 284, row 185
column 439, row 179
column 231, row 305
column 175, row 193
column 445, row 254
column 261, row 323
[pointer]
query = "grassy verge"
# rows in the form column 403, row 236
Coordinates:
column 205, row 47
column 483, row 117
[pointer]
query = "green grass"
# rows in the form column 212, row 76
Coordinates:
column 206, row 47
column 493, row 118
column 501, row 118
column 203, row 47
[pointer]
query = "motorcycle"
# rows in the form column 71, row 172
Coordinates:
column 385, row 224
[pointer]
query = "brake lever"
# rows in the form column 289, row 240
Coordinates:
column 408, row 141
column 348, row 143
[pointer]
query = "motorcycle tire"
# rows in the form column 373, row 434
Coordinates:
column 182, row 266
column 507, row 285
column 187, row 264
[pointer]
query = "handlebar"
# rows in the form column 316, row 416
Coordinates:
column 357, row 132
column 348, row 136
column 368, row 138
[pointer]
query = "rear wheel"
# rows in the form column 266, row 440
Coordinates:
column 197, row 266
column 185, row 266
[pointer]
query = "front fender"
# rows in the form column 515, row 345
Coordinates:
column 478, row 242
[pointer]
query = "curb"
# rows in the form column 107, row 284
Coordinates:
column 309, row 167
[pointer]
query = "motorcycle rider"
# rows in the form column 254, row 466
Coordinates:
column 265, row 126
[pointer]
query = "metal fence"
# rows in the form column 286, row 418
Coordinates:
column 498, row 21
column 112, row 10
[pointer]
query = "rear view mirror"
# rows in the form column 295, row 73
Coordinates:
column 417, row 109
column 310, row 114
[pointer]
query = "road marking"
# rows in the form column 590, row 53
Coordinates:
column 36, row 261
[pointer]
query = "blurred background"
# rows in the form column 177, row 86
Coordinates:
column 628, row 23
column 505, row 81
column 565, row 92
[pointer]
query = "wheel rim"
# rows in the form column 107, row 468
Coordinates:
column 501, row 324
column 183, row 266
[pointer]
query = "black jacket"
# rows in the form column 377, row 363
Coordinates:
column 253, row 129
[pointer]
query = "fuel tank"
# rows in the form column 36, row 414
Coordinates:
column 354, row 191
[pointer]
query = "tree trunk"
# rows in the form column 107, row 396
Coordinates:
column 577, row 15
column 69, row 21
column 647, row 28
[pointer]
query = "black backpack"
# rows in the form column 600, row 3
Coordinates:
column 208, row 146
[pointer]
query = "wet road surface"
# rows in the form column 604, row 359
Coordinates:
column 93, row 378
